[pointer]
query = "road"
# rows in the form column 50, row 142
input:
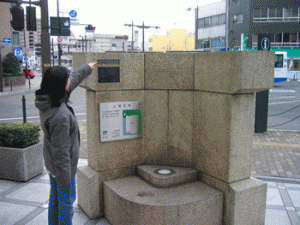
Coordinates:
column 11, row 106
column 284, row 106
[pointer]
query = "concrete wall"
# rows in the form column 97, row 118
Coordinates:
column 198, row 112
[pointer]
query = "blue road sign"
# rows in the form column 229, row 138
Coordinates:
column 18, row 53
column 73, row 13
column 7, row 40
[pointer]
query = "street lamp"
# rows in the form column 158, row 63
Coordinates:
column 143, row 27
column 196, row 23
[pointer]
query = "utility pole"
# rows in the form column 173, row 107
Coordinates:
column 58, row 45
column 143, row 27
column 45, row 37
column 1, row 76
column 196, row 26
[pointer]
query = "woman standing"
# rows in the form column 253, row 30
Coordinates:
column 61, row 138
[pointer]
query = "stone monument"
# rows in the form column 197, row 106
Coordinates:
column 170, row 137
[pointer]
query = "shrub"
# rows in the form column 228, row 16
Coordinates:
column 12, row 75
column 11, row 64
column 18, row 135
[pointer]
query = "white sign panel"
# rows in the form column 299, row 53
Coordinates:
column 120, row 120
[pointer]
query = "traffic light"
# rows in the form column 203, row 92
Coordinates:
column 17, row 13
column 31, row 18
column 90, row 28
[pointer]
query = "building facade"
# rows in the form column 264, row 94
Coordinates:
column 5, row 28
column 279, row 18
column 211, row 26
column 29, row 39
column 174, row 40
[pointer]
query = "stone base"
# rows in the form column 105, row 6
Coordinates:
column 133, row 201
column 21, row 164
column 90, row 188
column 245, row 200
column 88, row 192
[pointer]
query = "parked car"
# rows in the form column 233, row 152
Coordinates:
column 28, row 74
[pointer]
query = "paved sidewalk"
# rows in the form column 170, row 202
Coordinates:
column 276, row 160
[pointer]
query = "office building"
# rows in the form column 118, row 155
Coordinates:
column 279, row 18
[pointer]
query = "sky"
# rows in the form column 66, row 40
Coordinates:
column 109, row 16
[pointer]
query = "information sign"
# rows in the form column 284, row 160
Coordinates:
column 73, row 14
column 120, row 120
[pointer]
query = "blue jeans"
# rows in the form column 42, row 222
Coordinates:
column 61, row 203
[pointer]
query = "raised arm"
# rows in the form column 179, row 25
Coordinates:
column 83, row 72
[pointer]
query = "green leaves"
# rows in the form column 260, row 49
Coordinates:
column 18, row 135
column 11, row 64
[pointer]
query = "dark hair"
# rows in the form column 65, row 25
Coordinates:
column 54, row 84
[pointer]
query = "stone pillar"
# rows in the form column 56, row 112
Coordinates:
column 225, row 84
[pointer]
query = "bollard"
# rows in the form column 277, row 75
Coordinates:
column 24, row 109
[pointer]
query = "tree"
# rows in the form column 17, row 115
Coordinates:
column 11, row 65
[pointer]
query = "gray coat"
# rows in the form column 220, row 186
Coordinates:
column 61, row 132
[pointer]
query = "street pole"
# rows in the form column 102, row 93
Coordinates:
column 1, row 76
column 143, row 27
column 143, row 37
column 132, row 38
column 196, row 27
column 58, row 45
column 227, row 25
column 45, row 38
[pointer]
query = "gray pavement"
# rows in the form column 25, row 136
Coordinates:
column 276, row 160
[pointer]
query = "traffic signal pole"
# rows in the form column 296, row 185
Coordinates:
column 45, row 37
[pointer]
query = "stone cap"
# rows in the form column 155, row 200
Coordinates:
column 219, row 72
column 169, row 176
column 235, row 72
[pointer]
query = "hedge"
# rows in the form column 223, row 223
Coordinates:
column 12, row 75
column 18, row 135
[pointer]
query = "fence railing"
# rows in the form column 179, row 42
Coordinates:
column 280, row 44
column 275, row 19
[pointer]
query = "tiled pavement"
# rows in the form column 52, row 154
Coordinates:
column 276, row 160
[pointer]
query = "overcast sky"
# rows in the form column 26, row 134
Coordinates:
column 110, row 16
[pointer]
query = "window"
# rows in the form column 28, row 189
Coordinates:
column 218, row 42
column 207, row 22
column 150, row 40
column 15, row 38
column 201, row 23
column 150, row 49
column 212, row 21
column 222, row 19
column 204, row 44
column 238, row 18
column 278, row 61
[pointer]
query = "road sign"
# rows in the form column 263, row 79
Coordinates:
column 73, row 14
column 75, row 23
column 18, row 53
column 59, row 39
column 7, row 41
column 60, row 26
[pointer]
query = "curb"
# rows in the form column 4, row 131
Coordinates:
column 278, row 179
